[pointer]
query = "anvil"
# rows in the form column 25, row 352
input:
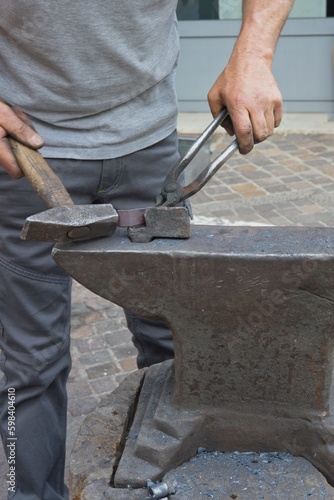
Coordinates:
column 251, row 310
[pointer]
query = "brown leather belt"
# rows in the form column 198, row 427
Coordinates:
column 133, row 217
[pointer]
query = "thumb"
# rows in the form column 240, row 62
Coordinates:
column 17, row 125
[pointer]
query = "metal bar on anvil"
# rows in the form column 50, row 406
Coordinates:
column 251, row 309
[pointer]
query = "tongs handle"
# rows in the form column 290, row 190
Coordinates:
column 172, row 192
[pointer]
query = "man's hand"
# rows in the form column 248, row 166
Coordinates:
column 249, row 91
column 14, row 123
column 247, row 87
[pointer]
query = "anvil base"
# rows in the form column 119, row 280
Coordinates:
column 164, row 435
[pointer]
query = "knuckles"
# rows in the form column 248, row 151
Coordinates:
column 262, row 136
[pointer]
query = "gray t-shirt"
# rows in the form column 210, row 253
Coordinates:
column 96, row 77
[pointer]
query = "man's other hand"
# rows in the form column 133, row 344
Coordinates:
column 14, row 123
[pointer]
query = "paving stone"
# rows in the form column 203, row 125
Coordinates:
column 248, row 167
column 291, row 212
column 277, row 188
column 248, row 189
column 113, row 310
column 83, row 406
column 129, row 364
column 102, row 370
column 107, row 325
column 74, row 373
column 118, row 337
column 124, row 351
column 318, row 149
column 214, row 190
column 257, row 175
column 78, row 389
column 89, row 344
column 93, row 317
column 201, row 197
column 300, row 185
column 329, row 187
column 311, row 208
column 95, row 357
column 81, row 332
column 314, row 179
column 326, row 168
column 104, row 385
column 233, row 179
column 266, row 181
column 298, row 168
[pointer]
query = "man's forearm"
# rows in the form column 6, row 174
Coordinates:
column 262, row 22
column 247, row 87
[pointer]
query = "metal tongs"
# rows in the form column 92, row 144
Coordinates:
column 173, row 192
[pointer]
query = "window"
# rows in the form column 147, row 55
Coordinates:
column 231, row 9
column 330, row 9
column 197, row 9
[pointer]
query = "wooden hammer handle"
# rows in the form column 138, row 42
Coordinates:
column 45, row 182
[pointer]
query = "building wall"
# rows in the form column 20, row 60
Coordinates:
column 303, row 63
column 231, row 9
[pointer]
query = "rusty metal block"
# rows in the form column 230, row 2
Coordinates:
column 162, row 222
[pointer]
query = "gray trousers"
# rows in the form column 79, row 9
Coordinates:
column 35, row 310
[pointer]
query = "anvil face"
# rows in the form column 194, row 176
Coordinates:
column 251, row 310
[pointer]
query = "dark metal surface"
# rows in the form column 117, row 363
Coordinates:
column 251, row 309
column 162, row 222
column 73, row 222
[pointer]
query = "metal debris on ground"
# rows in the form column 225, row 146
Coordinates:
column 158, row 491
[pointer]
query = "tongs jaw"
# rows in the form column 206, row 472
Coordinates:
column 173, row 192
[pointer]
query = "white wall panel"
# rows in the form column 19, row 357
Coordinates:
column 231, row 9
column 303, row 63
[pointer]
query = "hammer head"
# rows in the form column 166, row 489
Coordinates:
column 71, row 223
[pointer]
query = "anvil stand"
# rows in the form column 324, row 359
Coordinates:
column 251, row 310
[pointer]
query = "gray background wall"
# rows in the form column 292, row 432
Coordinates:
column 303, row 63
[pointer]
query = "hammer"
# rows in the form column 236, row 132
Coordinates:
column 64, row 221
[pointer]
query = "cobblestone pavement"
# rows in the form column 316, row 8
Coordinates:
column 287, row 180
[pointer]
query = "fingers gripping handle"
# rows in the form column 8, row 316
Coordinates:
column 44, row 181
